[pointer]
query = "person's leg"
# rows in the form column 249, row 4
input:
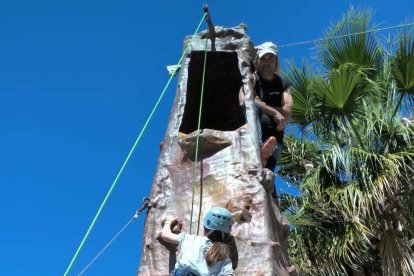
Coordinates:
column 266, row 136
column 258, row 110
column 272, row 160
column 269, row 130
column 278, row 151
column 271, row 165
column 267, row 149
column 268, row 127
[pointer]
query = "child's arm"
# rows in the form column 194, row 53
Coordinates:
column 166, row 234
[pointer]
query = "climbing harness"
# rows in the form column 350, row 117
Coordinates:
column 130, row 153
column 146, row 205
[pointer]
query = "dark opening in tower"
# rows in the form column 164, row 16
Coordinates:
column 222, row 83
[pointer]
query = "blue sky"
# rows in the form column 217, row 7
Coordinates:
column 77, row 82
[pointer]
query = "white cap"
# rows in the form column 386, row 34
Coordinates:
column 266, row 48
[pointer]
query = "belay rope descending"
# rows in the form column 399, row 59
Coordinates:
column 201, row 197
column 146, row 205
column 198, row 140
column 130, row 153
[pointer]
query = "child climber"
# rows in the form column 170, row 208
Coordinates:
column 203, row 255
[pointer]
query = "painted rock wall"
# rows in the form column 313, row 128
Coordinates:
column 228, row 171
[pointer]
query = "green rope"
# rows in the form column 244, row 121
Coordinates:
column 198, row 133
column 130, row 153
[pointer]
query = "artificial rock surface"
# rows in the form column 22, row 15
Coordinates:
column 228, row 174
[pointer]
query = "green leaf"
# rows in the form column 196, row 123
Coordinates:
column 402, row 64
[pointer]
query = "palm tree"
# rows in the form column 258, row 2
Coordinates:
column 354, row 161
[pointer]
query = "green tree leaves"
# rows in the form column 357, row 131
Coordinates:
column 354, row 163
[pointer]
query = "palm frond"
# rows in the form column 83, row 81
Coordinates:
column 350, row 43
column 341, row 94
column 397, row 257
column 355, row 210
column 402, row 64
column 302, row 111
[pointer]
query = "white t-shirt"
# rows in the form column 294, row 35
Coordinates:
column 191, row 257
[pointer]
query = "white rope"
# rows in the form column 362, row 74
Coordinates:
column 108, row 244
column 340, row 36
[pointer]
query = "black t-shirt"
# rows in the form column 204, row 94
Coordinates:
column 271, row 92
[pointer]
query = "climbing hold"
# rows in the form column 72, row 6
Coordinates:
column 208, row 145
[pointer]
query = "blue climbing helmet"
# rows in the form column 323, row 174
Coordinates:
column 218, row 218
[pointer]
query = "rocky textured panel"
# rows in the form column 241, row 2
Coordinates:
column 229, row 175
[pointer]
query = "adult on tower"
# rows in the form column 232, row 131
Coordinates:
column 273, row 99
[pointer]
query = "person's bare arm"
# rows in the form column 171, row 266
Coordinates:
column 166, row 234
column 287, row 103
column 273, row 112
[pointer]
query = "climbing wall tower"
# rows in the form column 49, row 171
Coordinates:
column 228, row 171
